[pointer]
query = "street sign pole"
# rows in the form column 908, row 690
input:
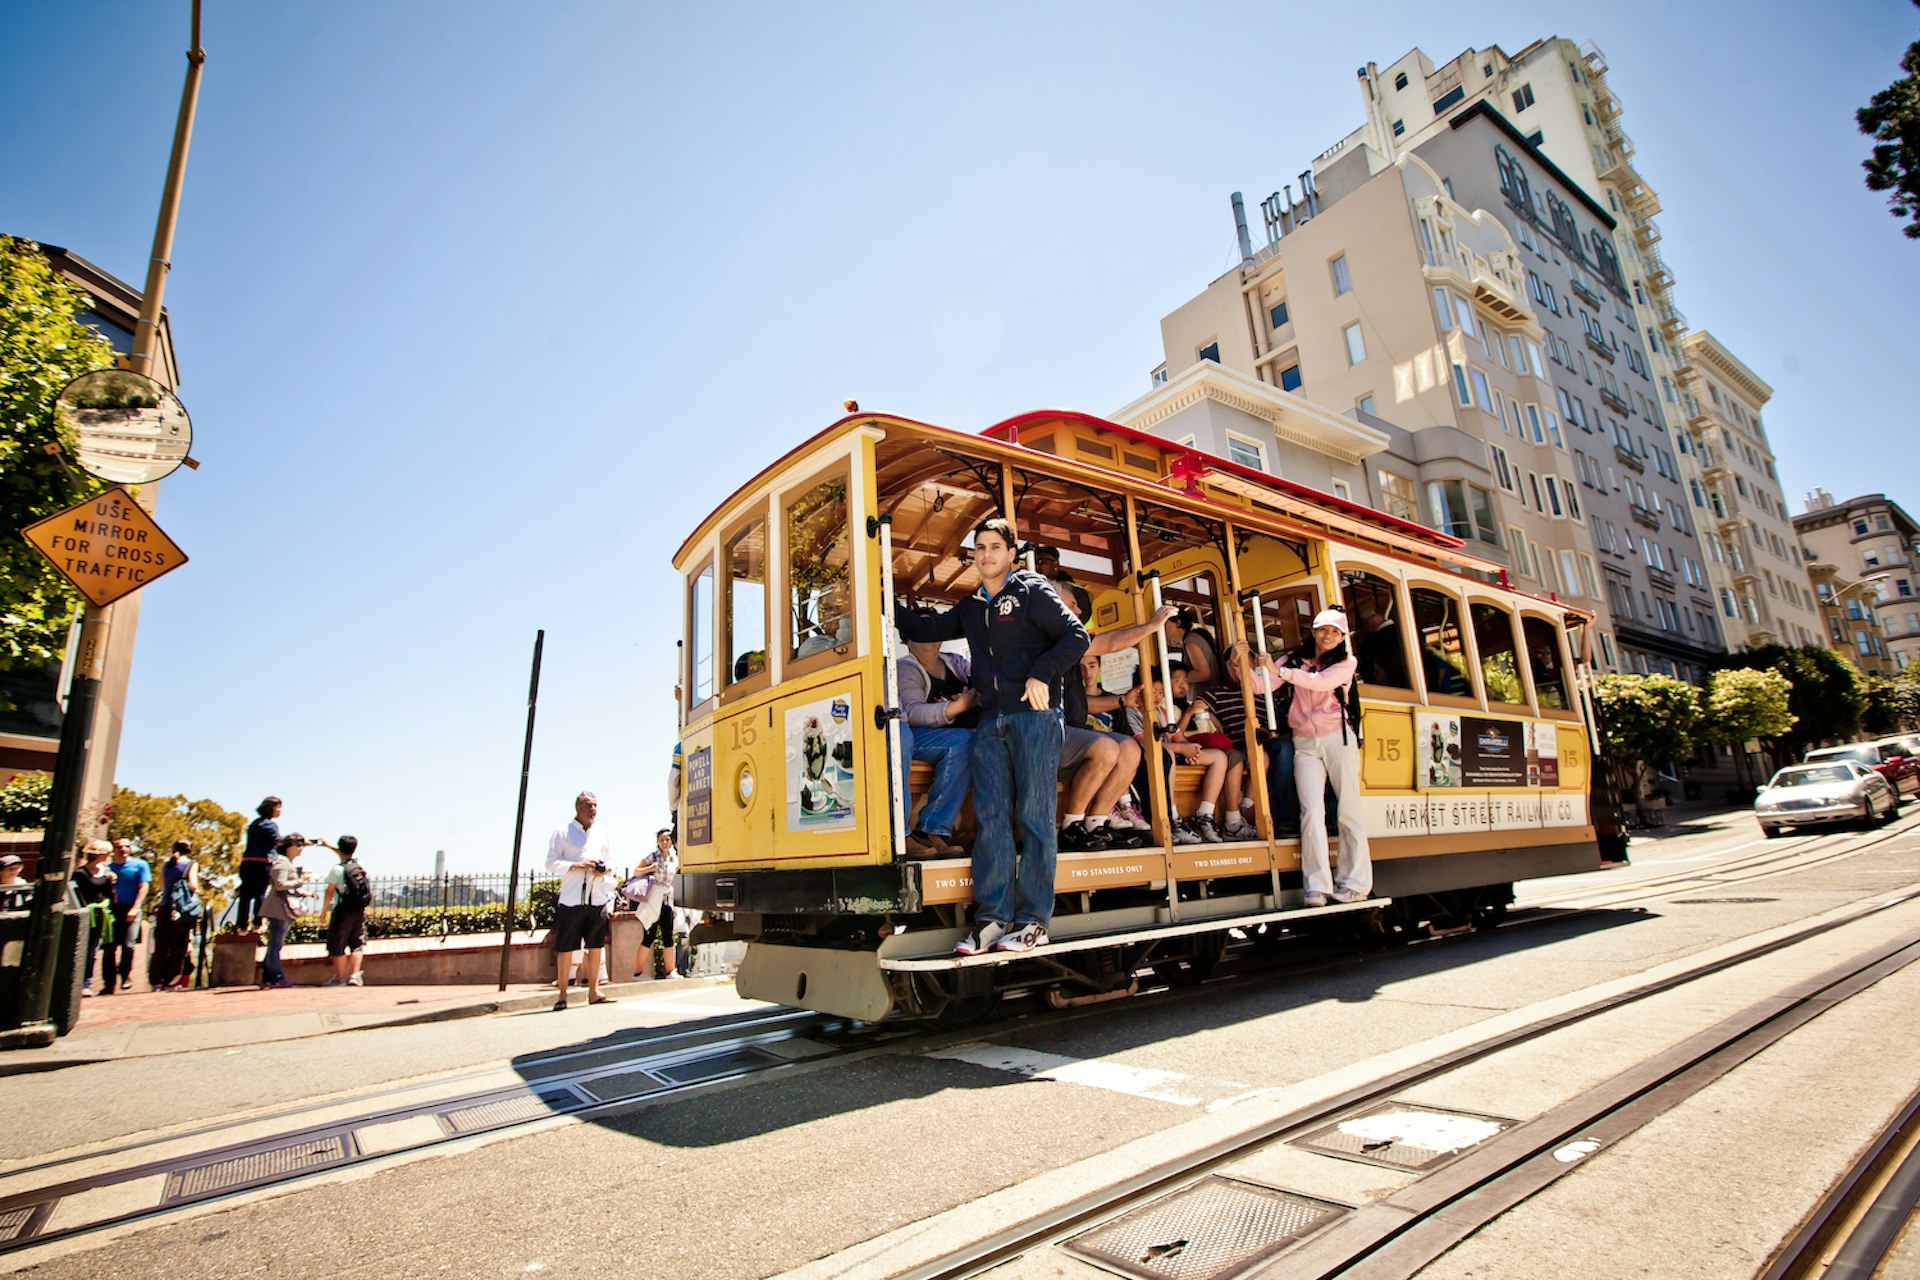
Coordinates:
column 520, row 815
column 30, row 1025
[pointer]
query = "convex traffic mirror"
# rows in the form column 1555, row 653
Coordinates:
column 129, row 428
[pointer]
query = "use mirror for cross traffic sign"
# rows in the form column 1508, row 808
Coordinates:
column 130, row 429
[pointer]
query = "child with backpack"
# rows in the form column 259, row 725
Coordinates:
column 1325, row 719
column 349, row 894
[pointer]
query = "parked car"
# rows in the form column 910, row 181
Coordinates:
column 1829, row 791
column 1887, row 757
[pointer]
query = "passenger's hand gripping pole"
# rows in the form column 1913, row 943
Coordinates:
column 1260, row 635
column 1152, row 579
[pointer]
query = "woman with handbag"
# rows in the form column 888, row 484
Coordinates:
column 178, row 913
column 651, row 891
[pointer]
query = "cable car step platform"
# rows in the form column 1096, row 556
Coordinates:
column 1122, row 937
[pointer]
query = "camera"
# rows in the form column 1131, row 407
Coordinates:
column 601, row 867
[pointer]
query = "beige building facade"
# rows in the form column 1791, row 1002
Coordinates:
column 1869, row 548
column 1769, row 597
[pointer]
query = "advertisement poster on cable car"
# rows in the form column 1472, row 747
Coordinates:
column 820, row 784
column 1543, row 755
column 1468, row 751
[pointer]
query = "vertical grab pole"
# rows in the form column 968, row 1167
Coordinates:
column 1166, row 670
column 1260, row 634
column 897, row 800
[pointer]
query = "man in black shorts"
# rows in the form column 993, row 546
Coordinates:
column 580, row 856
column 345, row 903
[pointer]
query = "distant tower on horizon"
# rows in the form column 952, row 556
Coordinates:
column 439, row 864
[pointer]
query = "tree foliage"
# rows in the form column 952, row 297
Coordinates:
column 1893, row 705
column 1646, row 720
column 1744, row 704
column 153, row 823
column 42, row 348
column 1892, row 120
column 24, row 801
column 1829, row 696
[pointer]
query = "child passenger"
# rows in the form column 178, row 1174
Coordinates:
column 1326, row 749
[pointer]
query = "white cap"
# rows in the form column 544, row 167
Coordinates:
column 1331, row 618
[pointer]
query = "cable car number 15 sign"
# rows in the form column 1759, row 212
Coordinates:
column 108, row 546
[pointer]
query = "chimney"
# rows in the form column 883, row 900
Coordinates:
column 1240, row 228
column 1819, row 500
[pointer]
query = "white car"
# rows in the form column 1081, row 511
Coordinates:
column 1837, row 791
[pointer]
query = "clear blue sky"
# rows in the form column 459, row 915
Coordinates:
column 481, row 307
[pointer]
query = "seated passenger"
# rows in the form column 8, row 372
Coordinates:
column 938, row 712
column 1200, row 827
column 1104, row 762
column 1327, row 750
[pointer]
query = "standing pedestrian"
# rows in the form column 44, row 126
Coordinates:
column 348, row 894
column 280, row 909
column 1326, row 734
column 131, row 876
column 655, row 907
column 579, row 854
column 256, row 864
column 1024, row 644
column 93, row 885
column 174, row 918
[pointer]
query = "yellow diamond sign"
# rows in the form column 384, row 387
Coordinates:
column 108, row 546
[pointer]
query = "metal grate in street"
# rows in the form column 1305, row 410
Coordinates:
column 14, row 1221
column 488, row 1115
column 260, row 1166
column 624, row 1084
column 1400, row 1135
column 713, row 1068
column 1216, row 1228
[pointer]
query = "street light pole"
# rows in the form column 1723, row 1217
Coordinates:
column 31, row 1025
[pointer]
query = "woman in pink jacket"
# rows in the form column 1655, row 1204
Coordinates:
column 1326, row 749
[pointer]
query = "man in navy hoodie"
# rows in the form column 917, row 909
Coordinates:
column 1024, row 644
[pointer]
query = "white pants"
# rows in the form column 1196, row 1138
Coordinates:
column 1316, row 762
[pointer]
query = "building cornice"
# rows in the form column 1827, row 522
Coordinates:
column 1292, row 418
column 1702, row 346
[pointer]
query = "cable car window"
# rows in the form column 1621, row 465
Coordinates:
column 819, row 584
column 747, row 602
column 1443, row 644
column 1543, row 655
column 1372, row 605
column 1499, row 664
column 700, row 635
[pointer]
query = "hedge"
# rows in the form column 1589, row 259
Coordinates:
column 431, row 922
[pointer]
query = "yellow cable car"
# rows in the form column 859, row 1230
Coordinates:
column 1479, row 765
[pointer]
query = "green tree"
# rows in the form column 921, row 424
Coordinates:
column 1892, row 120
column 1744, row 704
column 23, row 802
column 153, row 823
column 1829, row 696
column 42, row 348
column 1890, row 706
column 1645, row 720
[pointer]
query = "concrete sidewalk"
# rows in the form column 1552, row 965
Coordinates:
column 141, row 1024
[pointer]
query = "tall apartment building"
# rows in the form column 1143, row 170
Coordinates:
column 1770, row 598
column 1870, row 544
column 1557, row 93
column 1502, row 344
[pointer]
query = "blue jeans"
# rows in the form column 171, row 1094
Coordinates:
column 950, row 752
column 1281, row 794
column 1016, row 775
column 276, row 938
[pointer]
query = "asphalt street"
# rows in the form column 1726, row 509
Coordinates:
column 761, row 1176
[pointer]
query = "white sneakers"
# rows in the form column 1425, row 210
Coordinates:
column 1348, row 895
column 991, row 935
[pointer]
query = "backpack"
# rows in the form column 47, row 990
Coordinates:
column 182, row 902
column 357, row 891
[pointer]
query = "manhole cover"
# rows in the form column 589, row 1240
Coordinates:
column 1702, row 902
column 1403, row 1136
column 1216, row 1228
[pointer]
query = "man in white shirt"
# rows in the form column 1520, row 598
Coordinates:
column 580, row 856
